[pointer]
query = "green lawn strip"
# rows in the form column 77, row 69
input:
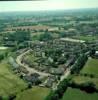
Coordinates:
column 9, row 82
column 91, row 67
column 83, row 79
column 86, row 38
column 76, row 94
column 36, row 93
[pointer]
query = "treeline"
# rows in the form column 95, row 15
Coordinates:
column 19, row 36
column 79, row 64
column 59, row 92
column 10, row 97
column 19, row 39
column 88, row 87
column 3, row 55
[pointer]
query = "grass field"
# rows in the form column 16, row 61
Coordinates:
column 36, row 93
column 9, row 82
column 91, row 67
column 83, row 79
column 86, row 38
column 75, row 94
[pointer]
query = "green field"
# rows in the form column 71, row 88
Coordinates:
column 91, row 67
column 36, row 93
column 75, row 94
column 83, row 79
column 86, row 38
column 9, row 82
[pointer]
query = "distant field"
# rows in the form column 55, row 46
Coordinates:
column 36, row 93
column 91, row 67
column 86, row 38
column 36, row 27
column 75, row 94
column 82, row 79
column 9, row 82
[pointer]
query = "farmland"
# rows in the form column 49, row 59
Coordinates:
column 91, row 67
column 75, row 94
column 36, row 93
column 42, row 52
column 9, row 83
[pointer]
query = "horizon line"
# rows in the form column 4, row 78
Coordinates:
column 50, row 10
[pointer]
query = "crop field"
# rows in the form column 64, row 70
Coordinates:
column 91, row 67
column 75, row 94
column 36, row 93
column 9, row 82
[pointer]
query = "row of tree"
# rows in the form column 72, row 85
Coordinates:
column 58, row 93
column 19, row 36
column 79, row 64
column 88, row 87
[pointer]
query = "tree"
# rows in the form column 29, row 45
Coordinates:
column 45, row 36
column 12, row 97
column 19, row 36
column 58, row 93
column 1, row 57
column 79, row 64
column 88, row 87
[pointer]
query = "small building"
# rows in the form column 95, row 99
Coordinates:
column 33, row 78
column 50, row 81
column 96, row 54
column 57, row 71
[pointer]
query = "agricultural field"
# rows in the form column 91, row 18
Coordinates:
column 36, row 93
column 75, row 94
column 9, row 82
column 91, row 67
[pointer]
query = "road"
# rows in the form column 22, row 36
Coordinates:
column 30, row 70
column 66, row 74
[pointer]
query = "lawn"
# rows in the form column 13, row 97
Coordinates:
column 36, row 93
column 75, row 94
column 83, row 79
column 9, row 82
column 91, row 67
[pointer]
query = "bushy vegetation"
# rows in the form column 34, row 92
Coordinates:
column 79, row 64
column 19, row 36
column 76, row 94
column 58, row 93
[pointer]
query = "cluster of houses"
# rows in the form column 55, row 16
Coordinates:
column 43, row 61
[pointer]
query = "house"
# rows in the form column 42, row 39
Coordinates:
column 96, row 54
column 33, row 78
column 9, row 43
column 50, row 81
column 57, row 71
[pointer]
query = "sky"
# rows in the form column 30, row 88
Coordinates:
column 46, row 5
